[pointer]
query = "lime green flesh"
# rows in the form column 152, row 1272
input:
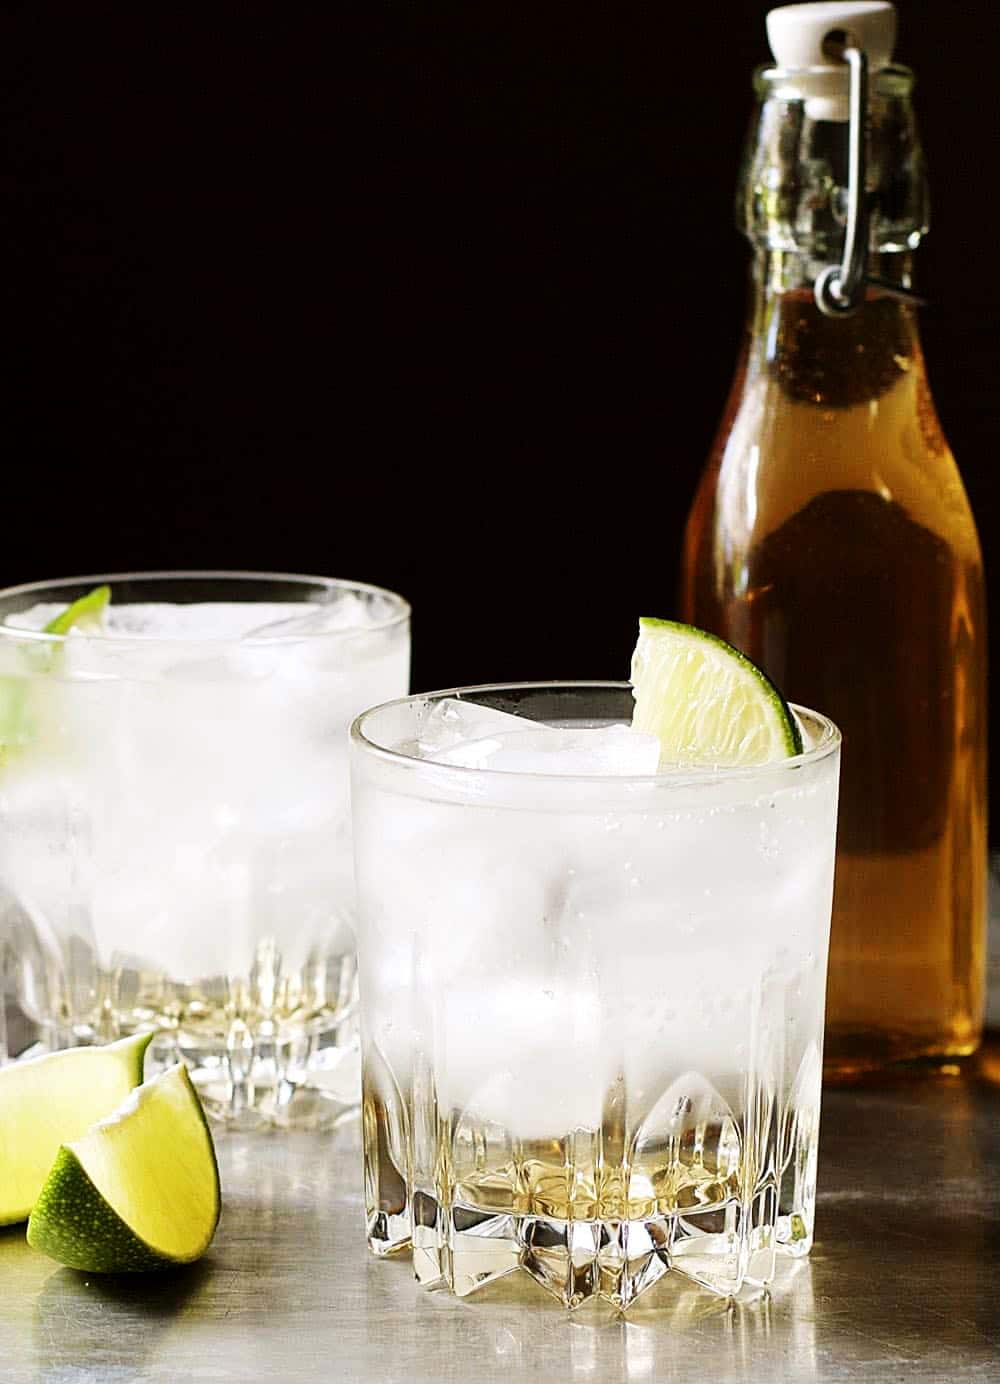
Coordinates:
column 51, row 1100
column 14, row 726
column 85, row 612
column 706, row 701
column 17, row 724
column 139, row 1191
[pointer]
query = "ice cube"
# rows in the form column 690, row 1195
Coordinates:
column 151, row 640
column 222, row 620
column 196, row 621
column 451, row 723
column 36, row 617
column 526, row 1054
column 345, row 612
column 478, row 737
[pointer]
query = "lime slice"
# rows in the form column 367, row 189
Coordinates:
column 85, row 612
column 707, row 703
column 139, row 1191
column 15, row 728
column 48, row 1100
column 17, row 725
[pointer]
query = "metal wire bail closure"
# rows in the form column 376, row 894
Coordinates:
column 840, row 288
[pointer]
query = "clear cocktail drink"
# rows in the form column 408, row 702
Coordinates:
column 592, row 993
column 175, row 844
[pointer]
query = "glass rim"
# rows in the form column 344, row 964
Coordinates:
column 690, row 774
column 399, row 614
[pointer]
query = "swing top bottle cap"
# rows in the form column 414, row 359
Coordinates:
column 807, row 41
column 811, row 35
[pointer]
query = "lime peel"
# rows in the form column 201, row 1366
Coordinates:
column 708, row 703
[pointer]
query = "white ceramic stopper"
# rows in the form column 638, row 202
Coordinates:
column 799, row 34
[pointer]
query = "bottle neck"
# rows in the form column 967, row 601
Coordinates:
column 796, row 197
column 778, row 270
column 831, row 362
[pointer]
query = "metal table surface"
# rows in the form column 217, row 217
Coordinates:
column 904, row 1283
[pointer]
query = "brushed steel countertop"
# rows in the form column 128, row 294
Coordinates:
column 904, row 1283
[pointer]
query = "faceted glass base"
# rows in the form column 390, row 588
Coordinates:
column 600, row 1214
column 275, row 1047
column 307, row 1080
column 579, row 1261
column 318, row 1091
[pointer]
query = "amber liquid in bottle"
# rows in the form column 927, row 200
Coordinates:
column 832, row 541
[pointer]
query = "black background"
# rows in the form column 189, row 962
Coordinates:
column 442, row 296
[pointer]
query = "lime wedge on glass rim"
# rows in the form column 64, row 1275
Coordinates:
column 139, row 1191
column 46, row 1101
column 85, row 612
column 708, row 704
column 16, row 721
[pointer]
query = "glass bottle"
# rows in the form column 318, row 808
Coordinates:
column 831, row 539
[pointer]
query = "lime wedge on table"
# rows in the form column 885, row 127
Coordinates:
column 707, row 702
column 85, row 612
column 139, row 1191
column 48, row 1100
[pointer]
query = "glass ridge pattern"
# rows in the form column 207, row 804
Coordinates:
column 574, row 1092
column 176, row 851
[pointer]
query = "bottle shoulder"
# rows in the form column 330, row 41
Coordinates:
column 774, row 454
